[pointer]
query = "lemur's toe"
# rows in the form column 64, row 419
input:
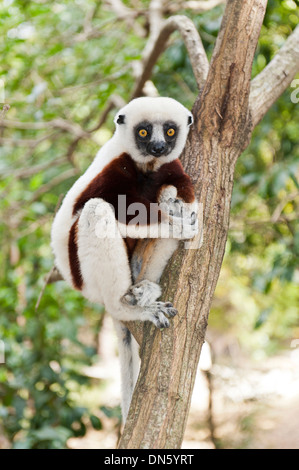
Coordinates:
column 161, row 321
column 171, row 312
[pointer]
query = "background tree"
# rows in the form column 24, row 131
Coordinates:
column 57, row 119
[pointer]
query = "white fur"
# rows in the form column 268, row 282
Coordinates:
column 129, row 366
column 104, row 265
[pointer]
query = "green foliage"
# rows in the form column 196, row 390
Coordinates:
column 64, row 60
column 44, row 360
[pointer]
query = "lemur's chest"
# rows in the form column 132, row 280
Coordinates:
column 148, row 185
column 122, row 177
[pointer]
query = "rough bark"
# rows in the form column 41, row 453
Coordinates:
column 222, row 129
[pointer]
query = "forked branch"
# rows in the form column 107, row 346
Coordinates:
column 275, row 78
column 193, row 43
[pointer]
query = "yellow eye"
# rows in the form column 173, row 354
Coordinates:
column 170, row 132
column 142, row 132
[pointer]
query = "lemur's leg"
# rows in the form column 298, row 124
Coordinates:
column 106, row 278
column 105, row 267
column 151, row 256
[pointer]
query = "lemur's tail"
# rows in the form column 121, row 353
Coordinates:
column 129, row 364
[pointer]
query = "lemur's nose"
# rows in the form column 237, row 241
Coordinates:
column 157, row 148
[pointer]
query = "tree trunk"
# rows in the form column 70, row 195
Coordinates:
column 221, row 131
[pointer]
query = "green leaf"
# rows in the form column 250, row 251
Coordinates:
column 48, row 433
column 96, row 422
column 263, row 317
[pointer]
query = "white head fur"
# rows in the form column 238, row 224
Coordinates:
column 156, row 112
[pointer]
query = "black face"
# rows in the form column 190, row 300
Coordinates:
column 156, row 139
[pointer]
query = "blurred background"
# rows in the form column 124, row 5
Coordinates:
column 65, row 67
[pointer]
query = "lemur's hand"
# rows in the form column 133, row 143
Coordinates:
column 182, row 228
column 182, row 216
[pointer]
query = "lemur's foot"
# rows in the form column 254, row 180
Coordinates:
column 158, row 312
column 99, row 217
column 143, row 293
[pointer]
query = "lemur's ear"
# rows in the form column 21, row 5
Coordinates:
column 190, row 119
column 120, row 119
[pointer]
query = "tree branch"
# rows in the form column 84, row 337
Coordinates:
column 193, row 43
column 32, row 143
column 127, row 14
column 58, row 123
column 31, row 170
column 3, row 110
column 275, row 78
column 196, row 6
column 155, row 17
column 115, row 101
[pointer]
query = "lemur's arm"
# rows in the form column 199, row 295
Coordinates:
column 166, row 219
column 176, row 198
column 178, row 191
column 175, row 216
column 137, row 216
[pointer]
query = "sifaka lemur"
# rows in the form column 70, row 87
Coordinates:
column 101, row 247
